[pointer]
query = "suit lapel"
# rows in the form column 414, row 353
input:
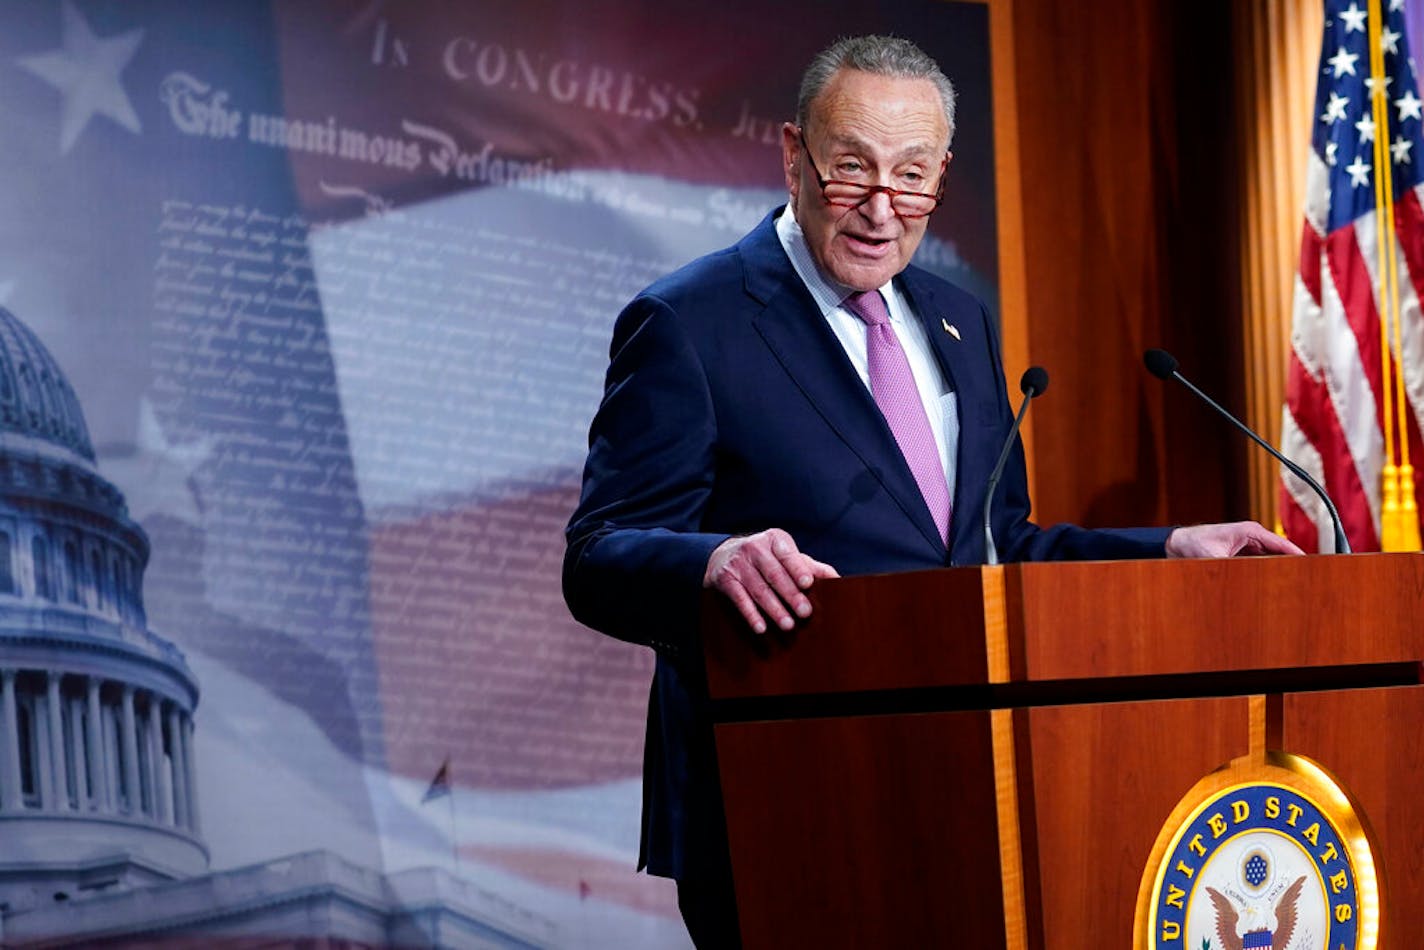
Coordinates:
column 798, row 336
column 953, row 354
column 958, row 339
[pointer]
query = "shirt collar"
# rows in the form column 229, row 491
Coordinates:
column 827, row 293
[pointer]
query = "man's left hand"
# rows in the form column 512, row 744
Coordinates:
column 1227, row 540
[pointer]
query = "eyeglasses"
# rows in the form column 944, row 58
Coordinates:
column 850, row 194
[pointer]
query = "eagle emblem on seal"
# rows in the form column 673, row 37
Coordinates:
column 1252, row 926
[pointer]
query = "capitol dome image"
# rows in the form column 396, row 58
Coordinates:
column 101, row 840
column 96, row 714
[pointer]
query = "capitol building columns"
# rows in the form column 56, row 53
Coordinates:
column 132, row 801
column 101, row 797
column 56, row 754
column 56, row 795
column 158, row 785
column 194, row 824
column 178, row 769
column 10, row 794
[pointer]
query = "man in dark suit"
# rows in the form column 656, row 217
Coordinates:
column 755, row 435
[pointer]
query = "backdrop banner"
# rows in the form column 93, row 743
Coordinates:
column 333, row 283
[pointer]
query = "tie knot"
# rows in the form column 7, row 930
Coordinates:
column 869, row 306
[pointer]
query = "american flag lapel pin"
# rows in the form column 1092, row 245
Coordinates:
column 949, row 328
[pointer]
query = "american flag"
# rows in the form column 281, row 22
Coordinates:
column 1344, row 404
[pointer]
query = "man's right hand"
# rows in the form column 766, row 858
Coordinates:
column 764, row 575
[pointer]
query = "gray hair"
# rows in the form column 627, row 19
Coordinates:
column 881, row 55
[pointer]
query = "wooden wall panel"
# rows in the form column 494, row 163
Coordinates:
column 1129, row 216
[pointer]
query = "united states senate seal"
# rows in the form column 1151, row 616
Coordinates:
column 1263, row 853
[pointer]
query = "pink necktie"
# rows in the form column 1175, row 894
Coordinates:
column 893, row 386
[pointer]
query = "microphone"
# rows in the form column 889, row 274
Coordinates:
column 1033, row 382
column 1163, row 365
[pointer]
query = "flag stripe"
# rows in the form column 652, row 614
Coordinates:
column 1350, row 254
column 1300, row 516
column 1332, row 465
column 1409, row 227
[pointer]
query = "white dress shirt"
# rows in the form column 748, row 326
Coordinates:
column 939, row 400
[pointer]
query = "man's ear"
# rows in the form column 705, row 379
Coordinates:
column 791, row 157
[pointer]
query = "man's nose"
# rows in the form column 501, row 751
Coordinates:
column 877, row 208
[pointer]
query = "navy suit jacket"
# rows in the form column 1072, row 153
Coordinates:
column 730, row 407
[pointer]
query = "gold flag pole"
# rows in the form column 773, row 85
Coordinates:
column 1406, row 536
column 1399, row 520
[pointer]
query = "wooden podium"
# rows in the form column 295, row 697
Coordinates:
column 983, row 757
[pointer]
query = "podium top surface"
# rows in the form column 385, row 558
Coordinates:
column 1077, row 621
